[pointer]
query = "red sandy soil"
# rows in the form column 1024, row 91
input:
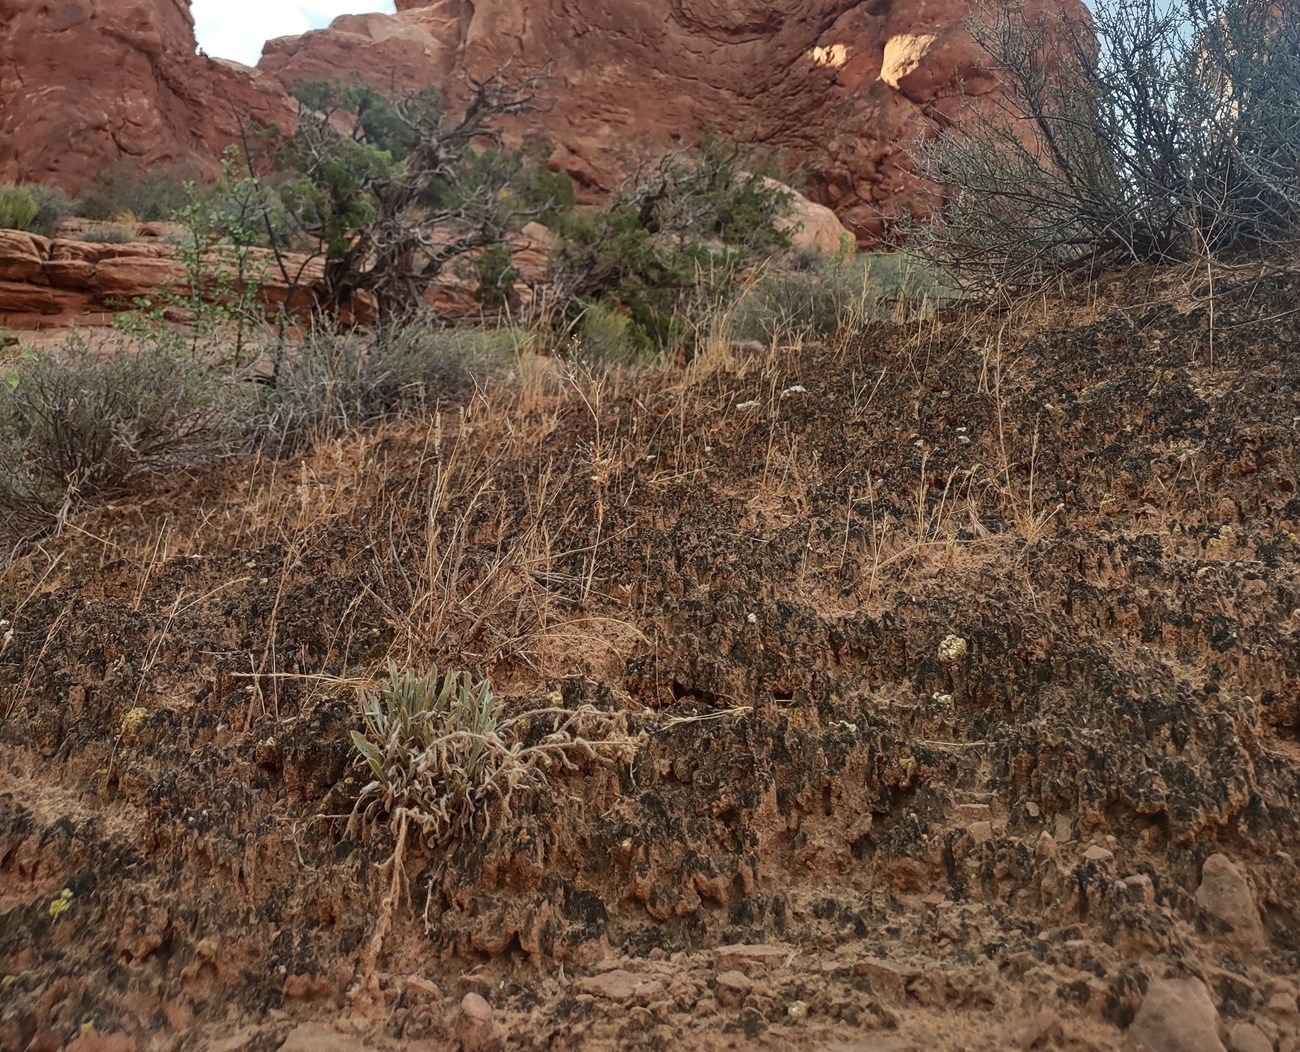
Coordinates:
column 964, row 656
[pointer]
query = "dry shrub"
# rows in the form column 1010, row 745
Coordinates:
column 53, row 206
column 118, row 233
column 1139, row 132
column 149, row 193
column 81, row 422
column 334, row 382
column 834, row 294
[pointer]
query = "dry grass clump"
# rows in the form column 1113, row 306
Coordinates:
column 94, row 419
column 111, row 233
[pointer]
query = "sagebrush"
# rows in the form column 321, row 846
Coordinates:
column 330, row 382
column 1145, row 132
column 87, row 421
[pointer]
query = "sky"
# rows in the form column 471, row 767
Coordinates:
column 238, row 28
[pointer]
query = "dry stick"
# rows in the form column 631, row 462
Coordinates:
column 334, row 638
column 848, row 522
column 155, row 648
column 598, row 458
column 876, row 537
column 255, row 688
column 269, row 654
column 367, row 980
column 49, row 638
column 104, row 542
column 677, row 721
column 150, row 566
column 1209, row 272
column 37, row 587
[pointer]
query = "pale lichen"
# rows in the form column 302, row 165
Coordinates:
column 952, row 649
column 132, row 722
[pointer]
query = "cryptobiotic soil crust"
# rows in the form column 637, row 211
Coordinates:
column 962, row 657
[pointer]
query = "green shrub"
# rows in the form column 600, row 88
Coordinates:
column 148, row 194
column 18, row 209
column 53, row 206
column 496, row 275
column 79, row 423
column 668, row 247
column 221, row 293
column 606, row 335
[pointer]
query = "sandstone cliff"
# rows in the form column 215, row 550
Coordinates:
column 841, row 87
column 86, row 83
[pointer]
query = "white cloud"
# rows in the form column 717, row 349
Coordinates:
column 238, row 28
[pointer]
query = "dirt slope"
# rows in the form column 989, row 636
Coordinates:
column 959, row 647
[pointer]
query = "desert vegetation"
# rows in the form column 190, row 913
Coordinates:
column 387, row 203
column 1139, row 132
column 710, row 637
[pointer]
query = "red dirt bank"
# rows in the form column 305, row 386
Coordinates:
column 966, row 654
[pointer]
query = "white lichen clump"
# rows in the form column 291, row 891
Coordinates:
column 952, row 649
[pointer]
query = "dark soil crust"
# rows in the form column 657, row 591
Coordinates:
column 838, row 830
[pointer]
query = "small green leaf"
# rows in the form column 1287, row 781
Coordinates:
column 369, row 753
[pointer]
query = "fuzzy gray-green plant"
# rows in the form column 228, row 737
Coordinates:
column 444, row 756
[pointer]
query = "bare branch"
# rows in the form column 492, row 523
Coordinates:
column 1156, row 132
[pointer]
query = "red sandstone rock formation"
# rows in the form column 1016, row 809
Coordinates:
column 55, row 283
column 85, row 83
column 840, row 86
column 49, row 285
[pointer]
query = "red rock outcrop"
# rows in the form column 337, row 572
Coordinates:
column 840, row 87
column 50, row 285
column 50, row 282
column 86, row 83
column 56, row 283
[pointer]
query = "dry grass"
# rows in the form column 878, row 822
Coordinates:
column 475, row 547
